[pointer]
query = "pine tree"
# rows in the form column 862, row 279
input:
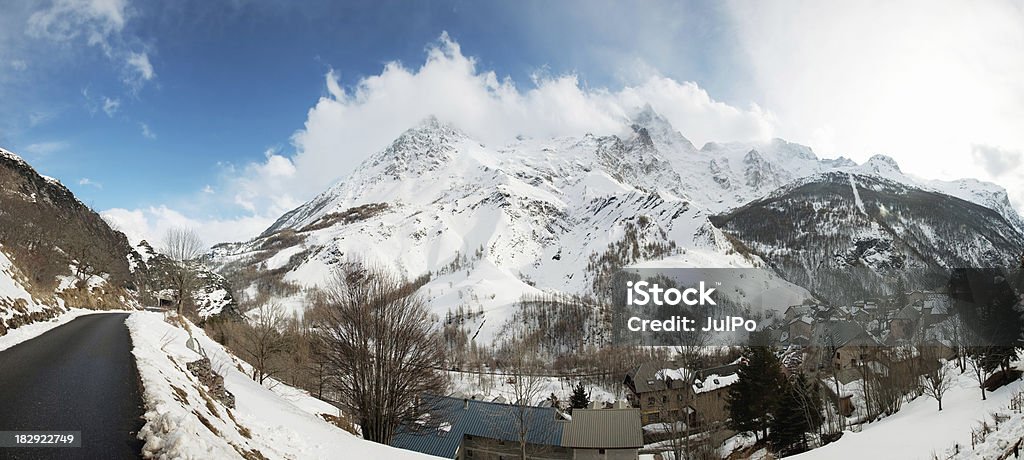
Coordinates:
column 797, row 413
column 580, row 398
column 753, row 398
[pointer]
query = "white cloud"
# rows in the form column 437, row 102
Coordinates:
column 139, row 70
column 923, row 81
column 152, row 223
column 349, row 124
column 146, row 132
column 42, row 149
column 110, row 106
column 65, row 20
column 997, row 161
column 90, row 183
column 99, row 23
column 19, row 65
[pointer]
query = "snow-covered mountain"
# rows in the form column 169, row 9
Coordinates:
column 494, row 223
column 826, row 229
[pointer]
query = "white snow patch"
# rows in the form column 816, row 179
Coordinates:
column 281, row 421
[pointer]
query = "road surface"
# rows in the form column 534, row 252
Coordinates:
column 77, row 377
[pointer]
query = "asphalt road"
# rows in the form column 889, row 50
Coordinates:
column 77, row 377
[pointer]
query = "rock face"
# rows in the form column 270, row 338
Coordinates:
column 56, row 252
column 213, row 381
column 212, row 296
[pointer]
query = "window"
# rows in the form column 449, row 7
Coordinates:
column 664, row 399
column 600, row 451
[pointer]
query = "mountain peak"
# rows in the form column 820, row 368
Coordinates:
column 802, row 152
column 657, row 127
column 7, row 154
column 880, row 163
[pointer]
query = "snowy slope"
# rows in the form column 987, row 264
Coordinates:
column 182, row 422
column 18, row 307
column 823, row 231
column 493, row 223
column 935, row 432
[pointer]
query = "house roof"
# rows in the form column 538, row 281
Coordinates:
column 604, row 429
column 452, row 418
column 908, row 313
column 840, row 333
column 650, row 376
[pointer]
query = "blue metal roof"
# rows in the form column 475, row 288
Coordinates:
column 452, row 418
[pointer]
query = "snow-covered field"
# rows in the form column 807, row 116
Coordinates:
column 182, row 422
column 920, row 431
column 488, row 387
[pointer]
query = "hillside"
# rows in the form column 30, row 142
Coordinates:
column 55, row 252
column 492, row 224
column 829, row 228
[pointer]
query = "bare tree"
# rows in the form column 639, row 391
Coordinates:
column 182, row 246
column 677, row 415
column 953, row 331
column 936, row 382
column 526, row 384
column 262, row 340
column 974, row 362
column 381, row 346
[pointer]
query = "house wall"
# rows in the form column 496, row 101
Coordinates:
column 480, row 448
column 849, row 356
column 663, row 405
column 800, row 328
column 609, row 454
column 711, row 407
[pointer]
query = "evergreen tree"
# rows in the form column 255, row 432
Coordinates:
column 798, row 412
column 754, row 396
column 580, row 398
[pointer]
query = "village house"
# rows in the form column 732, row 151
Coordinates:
column 470, row 429
column 665, row 392
column 845, row 344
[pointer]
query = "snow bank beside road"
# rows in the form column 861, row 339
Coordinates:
column 183, row 421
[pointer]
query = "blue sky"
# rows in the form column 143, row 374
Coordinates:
column 218, row 115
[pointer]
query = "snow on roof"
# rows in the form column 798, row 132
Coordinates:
column 803, row 319
column 675, row 374
column 714, row 382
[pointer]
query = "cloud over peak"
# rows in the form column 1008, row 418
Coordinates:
column 349, row 123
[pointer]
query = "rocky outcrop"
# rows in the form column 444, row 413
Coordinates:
column 213, row 381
